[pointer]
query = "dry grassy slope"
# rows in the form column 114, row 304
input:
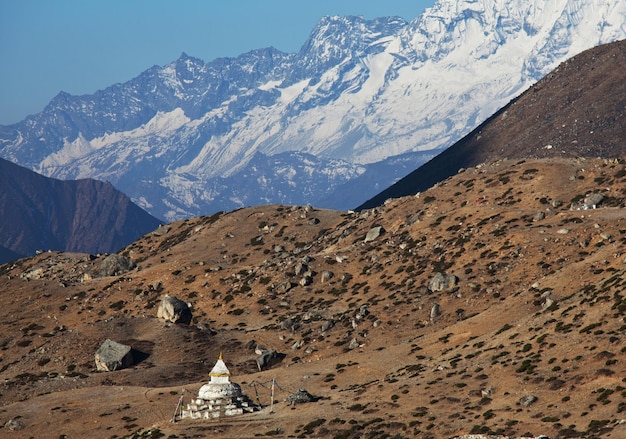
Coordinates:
column 464, row 371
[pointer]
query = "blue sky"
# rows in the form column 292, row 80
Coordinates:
column 80, row 46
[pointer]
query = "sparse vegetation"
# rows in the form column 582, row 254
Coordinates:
column 495, row 336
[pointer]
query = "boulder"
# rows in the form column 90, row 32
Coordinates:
column 268, row 358
column 435, row 311
column 547, row 301
column 300, row 397
column 591, row 201
column 442, row 282
column 328, row 324
column 114, row 265
column 112, row 355
column 301, row 268
column 306, row 281
column 283, row 288
column 374, row 233
column 326, row 276
column 14, row 424
column 528, row 400
column 174, row 310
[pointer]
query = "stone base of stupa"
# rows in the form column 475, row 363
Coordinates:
column 200, row 408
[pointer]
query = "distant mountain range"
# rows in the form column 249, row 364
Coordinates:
column 362, row 101
column 41, row 213
column 578, row 110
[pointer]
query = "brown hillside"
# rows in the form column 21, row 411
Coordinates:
column 510, row 232
column 578, row 110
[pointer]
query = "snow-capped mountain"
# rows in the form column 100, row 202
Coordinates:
column 192, row 137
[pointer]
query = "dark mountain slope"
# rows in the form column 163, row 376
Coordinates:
column 578, row 110
column 37, row 212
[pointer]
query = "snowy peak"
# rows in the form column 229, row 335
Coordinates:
column 359, row 92
column 335, row 40
column 555, row 28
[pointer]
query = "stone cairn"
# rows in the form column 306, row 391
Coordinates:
column 219, row 397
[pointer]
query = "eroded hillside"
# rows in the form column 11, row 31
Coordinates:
column 490, row 303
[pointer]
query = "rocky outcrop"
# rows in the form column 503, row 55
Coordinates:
column 172, row 309
column 112, row 355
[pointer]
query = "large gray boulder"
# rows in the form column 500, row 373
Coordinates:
column 374, row 233
column 442, row 282
column 114, row 265
column 269, row 358
column 592, row 200
column 174, row 310
column 112, row 355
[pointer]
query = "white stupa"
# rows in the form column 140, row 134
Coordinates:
column 219, row 397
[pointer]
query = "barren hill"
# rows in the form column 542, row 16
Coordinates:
column 578, row 110
column 524, row 259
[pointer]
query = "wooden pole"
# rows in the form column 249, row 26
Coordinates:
column 272, row 397
column 179, row 404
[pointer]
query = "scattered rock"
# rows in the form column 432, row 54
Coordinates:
column 353, row 344
column 290, row 324
column 269, row 358
column 328, row 324
column 528, row 400
column 362, row 312
column 442, row 282
column 114, row 265
column 591, row 201
column 435, row 311
column 326, row 276
column 488, row 391
column 300, row 268
column 112, row 355
column 161, row 230
column 283, row 287
column 306, row 281
column 14, row 424
column 547, row 300
column 374, row 233
column 539, row 216
column 174, row 310
column 300, row 397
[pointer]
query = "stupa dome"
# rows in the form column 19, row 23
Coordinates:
column 219, row 397
column 220, row 385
